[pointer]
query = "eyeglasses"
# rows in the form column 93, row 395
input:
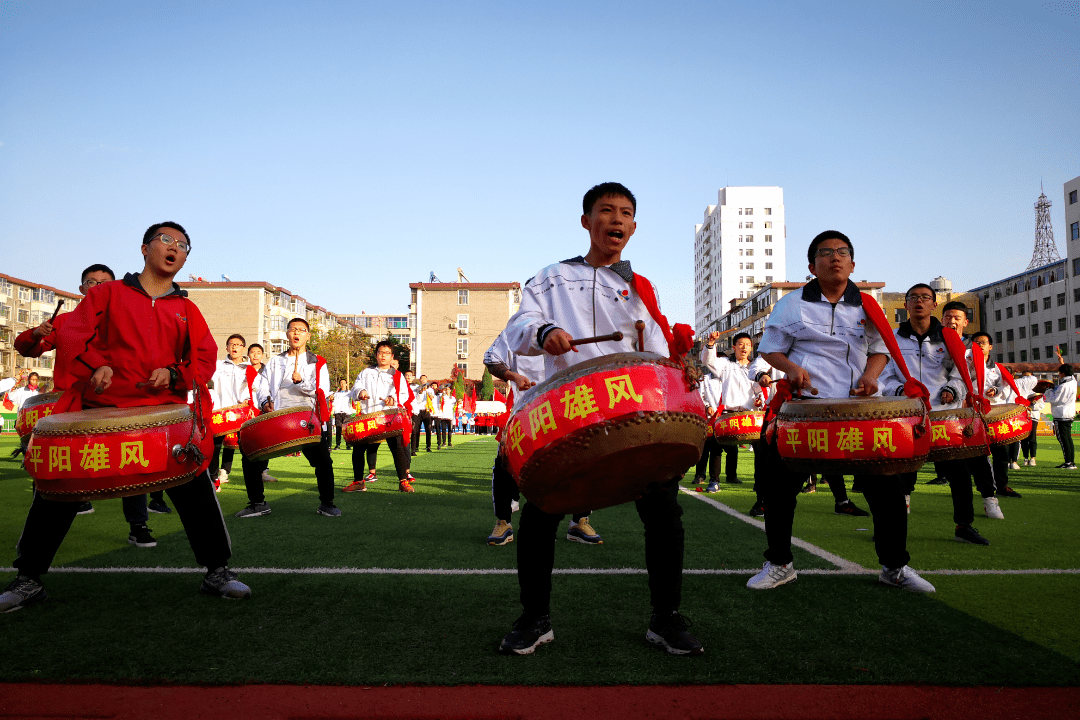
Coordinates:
column 170, row 240
column 94, row 283
column 829, row 252
column 920, row 298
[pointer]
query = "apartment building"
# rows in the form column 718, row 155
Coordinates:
column 25, row 304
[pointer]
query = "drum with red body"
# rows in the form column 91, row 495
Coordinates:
column 113, row 452
column 859, row 435
column 231, row 441
column 738, row 427
column 280, row 432
column 956, row 434
column 377, row 426
column 228, row 420
column 1008, row 423
column 33, row 409
column 601, row 432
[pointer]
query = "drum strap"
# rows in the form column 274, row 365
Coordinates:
column 682, row 339
column 979, row 361
column 250, row 374
column 1020, row 400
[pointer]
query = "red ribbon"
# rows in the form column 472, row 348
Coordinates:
column 1020, row 400
column 682, row 339
column 912, row 387
column 958, row 353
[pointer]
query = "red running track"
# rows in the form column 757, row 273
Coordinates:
column 481, row 702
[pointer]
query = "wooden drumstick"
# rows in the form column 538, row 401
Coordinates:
column 640, row 327
column 615, row 336
column 59, row 304
column 296, row 363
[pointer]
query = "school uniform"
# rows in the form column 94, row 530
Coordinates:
column 1062, row 399
column 341, row 407
column 381, row 384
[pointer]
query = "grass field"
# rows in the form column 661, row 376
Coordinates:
column 403, row 589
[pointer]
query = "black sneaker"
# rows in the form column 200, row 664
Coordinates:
column 671, row 633
column 937, row 481
column 140, row 536
column 85, row 508
column 849, row 508
column 254, row 510
column 1008, row 492
column 20, row 592
column 527, row 633
column 223, row 583
column 158, row 506
column 968, row 534
column 758, row 510
column 734, row 481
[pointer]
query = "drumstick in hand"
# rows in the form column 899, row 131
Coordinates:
column 640, row 327
column 615, row 336
column 59, row 304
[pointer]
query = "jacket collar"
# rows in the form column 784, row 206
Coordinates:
column 934, row 334
column 132, row 280
column 621, row 268
column 811, row 292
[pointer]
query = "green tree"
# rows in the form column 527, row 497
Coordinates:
column 345, row 349
column 457, row 380
column 487, row 386
column 401, row 351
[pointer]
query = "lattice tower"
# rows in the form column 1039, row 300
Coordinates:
column 1046, row 250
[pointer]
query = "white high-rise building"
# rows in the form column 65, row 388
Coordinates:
column 737, row 249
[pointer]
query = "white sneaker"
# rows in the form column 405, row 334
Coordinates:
column 1014, row 466
column 1031, row 462
column 772, row 576
column 907, row 499
column 906, row 579
column 993, row 509
column 222, row 476
column 267, row 477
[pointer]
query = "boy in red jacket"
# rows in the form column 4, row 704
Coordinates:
column 129, row 344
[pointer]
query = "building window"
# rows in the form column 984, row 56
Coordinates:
column 1009, row 335
column 24, row 294
column 462, row 297
column 1074, row 231
column 1049, row 351
column 5, row 289
column 768, row 211
column 463, row 322
column 768, row 278
column 749, row 251
column 1034, row 353
column 1048, row 327
column 901, row 315
column 1012, row 357
column 1060, row 299
column 768, row 251
column 749, row 238
column 1000, row 357
column 768, row 266
column 997, row 316
column 24, row 316
column 1035, row 305
column 399, row 323
column 463, row 346
column 1008, row 312
column 1062, row 325
column 749, row 266
column 768, row 225
column 5, row 311
column 997, row 337
column 1020, row 309
column 1023, row 356
column 1022, row 331
column 768, row 238
column 749, row 226
column 748, row 211
column 750, row 279
column 1034, row 331
column 463, row 367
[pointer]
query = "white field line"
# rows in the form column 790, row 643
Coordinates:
column 505, row 571
column 845, row 565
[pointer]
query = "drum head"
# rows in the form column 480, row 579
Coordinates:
column 113, row 419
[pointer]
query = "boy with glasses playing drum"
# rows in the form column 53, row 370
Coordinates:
column 106, row 346
column 821, row 339
column 582, row 297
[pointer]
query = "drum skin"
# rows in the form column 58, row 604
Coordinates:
column 956, row 434
column 738, row 427
column 279, row 433
column 602, row 432
column 35, row 408
column 858, row 435
column 376, row 426
column 1008, row 423
column 228, row 420
column 111, row 452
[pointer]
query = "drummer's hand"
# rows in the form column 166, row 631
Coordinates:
column 389, row 401
column 799, row 379
column 523, row 383
column 42, row 330
column 558, row 342
column 160, row 378
column 363, row 395
column 947, row 397
column 765, row 381
column 866, row 386
column 991, row 392
column 297, row 377
column 713, row 337
column 101, row 380
column 759, row 402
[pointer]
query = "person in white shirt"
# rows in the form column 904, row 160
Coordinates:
column 380, row 388
column 821, row 338
column 710, row 453
column 227, row 390
column 999, row 393
column 738, row 391
column 298, row 378
column 1030, row 444
column 341, row 407
column 1062, row 399
column 446, row 417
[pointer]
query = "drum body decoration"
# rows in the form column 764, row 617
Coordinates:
column 112, row 452
column 35, row 408
column 858, row 435
column 956, row 434
column 1008, row 423
column 279, row 433
column 231, row 441
column 738, row 427
column 228, row 420
column 376, row 426
column 601, row 432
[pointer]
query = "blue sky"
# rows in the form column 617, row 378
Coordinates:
column 345, row 149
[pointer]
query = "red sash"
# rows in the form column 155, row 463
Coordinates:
column 678, row 342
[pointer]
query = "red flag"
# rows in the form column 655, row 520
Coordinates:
column 499, row 396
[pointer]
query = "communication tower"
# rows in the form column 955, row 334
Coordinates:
column 1046, row 250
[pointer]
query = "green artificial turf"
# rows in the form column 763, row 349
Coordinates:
column 368, row 628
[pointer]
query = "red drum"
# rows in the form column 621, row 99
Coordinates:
column 232, row 441
column 377, row 426
column 599, row 433
column 280, row 432
column 228, row 420
column 112, row 452
column 738, row 427
column 1008, row 423
column 33, row 409
column 956, row 434
column 859, row 435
